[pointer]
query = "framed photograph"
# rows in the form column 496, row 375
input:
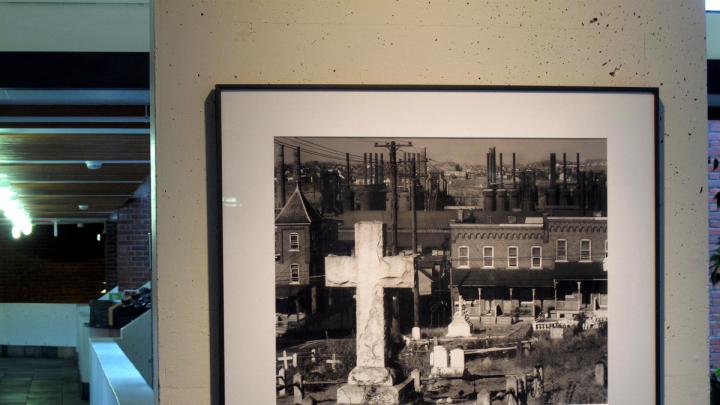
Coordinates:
column 437, row 244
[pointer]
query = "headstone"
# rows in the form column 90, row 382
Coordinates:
column 459, row 327
column 556, row 333
column 333, row 362
column 457, row 359
column 298, row 389
column 483, row 398
column 312, row 356
column 439, row 357
column 415, row 375
column 511, row 399
column 511, row 384
column 600, row 373
column 295, row 360
column 416, row 333
column 281, row 381
column 370, row 273
column 284, row 358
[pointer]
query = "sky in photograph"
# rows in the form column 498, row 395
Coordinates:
column 459, row 150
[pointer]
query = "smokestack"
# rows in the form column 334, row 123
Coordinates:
column 382, row 170
column 371, row 168
column 564, row 170
column 514, row 172
column 423, row 162
column 280, row 177
column 365, row 167
column 347, row 168
column 502, row 181
column 298, row 168
column 377, row 170
column 488, row 169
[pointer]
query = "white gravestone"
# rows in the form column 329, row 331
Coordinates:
column 457, row 359
column 439, row 357
column 459, row 327
column 416, row 333
column 370, row 273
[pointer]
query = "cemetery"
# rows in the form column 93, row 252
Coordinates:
column 515, row 363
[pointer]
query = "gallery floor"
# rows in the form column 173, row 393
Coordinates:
column 35, row 381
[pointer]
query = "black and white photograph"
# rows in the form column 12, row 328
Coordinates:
column 441, row 270
column 437, row 245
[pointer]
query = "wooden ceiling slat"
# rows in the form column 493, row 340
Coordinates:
column 74, row 147
column 72, row 214
column 37, row 205
column 73, row 111
column 59, row 189
column 79, row 124
column 75, row 172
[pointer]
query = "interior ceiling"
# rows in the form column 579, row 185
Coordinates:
column 48, row 135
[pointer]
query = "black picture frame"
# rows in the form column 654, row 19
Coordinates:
column 215, row 205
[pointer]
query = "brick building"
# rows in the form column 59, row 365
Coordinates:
column 548, row 265
column 298, row 255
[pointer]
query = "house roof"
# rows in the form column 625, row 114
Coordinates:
column 297, row 210
column 529, row 278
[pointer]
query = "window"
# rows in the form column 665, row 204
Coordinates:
column 561, row 250
column 512, row 257
column 488, row 260
column 464, row 256
column 585, row 250
column 606, row 250
column 294, row 241
column 535, row 257
column 294, row 273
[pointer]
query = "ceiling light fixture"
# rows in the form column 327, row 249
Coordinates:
column 93, row 164
column 14, row 210
column 83, row 207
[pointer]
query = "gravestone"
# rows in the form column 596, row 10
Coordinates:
column 459, row 327
column 308, row 400
column 457, row 359
column 281, row 381
column 416, row 333
column 415, row 375
column 600, row 373
column 439, row 357
column 556, row 333
column 298, row 389
column 483, row 398
column 370, row 273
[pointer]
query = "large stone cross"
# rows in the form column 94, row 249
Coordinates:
column 370, row 273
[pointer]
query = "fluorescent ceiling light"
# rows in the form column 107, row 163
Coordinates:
column 712, row 5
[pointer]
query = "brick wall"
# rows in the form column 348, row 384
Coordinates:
column 111, row 277
column 714, row 237
column 133, row 254
column 42, row 268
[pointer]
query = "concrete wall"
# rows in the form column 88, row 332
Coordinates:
column 75, row 26
column 613, row 43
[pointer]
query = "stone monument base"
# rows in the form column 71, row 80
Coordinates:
column 399, row 394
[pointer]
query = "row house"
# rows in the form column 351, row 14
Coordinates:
column 545, row 266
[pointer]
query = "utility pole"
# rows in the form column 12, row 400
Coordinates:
column 392, row 148
column 416, row 286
